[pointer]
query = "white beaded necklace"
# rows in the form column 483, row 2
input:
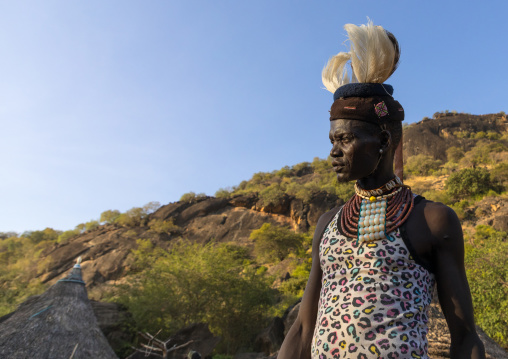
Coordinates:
column 372, row 218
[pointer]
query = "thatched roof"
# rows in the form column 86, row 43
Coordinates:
column 59, row 323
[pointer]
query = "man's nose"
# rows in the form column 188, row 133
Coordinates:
column 335, row 152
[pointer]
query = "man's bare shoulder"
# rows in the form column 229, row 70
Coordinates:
column 441, row 220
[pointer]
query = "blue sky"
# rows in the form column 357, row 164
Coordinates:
column 110, row 105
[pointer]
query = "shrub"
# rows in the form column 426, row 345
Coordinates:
column 299, row 191
column 214, row 288
column 188, row 197
column 284, row 172
column 48, row 234
column 295, row 285
column 499, row 174
column 273, row 244
column 421, row 165
column 485, row 261
column 137, row 216
column 65, row 236
column 224, row 192
column 91, row 225
column 344, row 190
column 302, row 168
column 468, row 182
column 109, row 216
column 453, row 154
column 272, row 194
column 160, row 226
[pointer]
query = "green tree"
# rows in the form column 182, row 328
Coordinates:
column 151, row 207
column 468, row 182
column 65, row 236
column 188, row 197
column 109, row 216
column 224, row 192
column 137, row 216
column 499, row 174
column 161, row 226
column 421, row 165
column 273, row 243
column 198, row 283
column 453, row 154
column 485, row 260
column 48, row 234
column 90, row 225
column 272, row 194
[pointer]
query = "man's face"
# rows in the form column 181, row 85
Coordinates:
column 355, row 149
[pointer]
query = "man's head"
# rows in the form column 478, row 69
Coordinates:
column 364, row 100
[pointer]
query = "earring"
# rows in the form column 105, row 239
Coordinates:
column 381, row 151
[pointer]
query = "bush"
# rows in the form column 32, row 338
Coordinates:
column 191, row 196
column 48, row 234
column 284, row 172
column 224, row 192
column 272, row 194
column 302, row 168
column 109, row 216
column 188, row 197
column 91, row 225
column 65, row 236
column 137, row 216
column 482, row 153
column 468, row 182
column 163, row 227
column 421, row 165
column 299, row 191
column 485, row 261
column 499, row 174
column 214, row 288
column 453, row 154
column 295, row 285
column 273, row 244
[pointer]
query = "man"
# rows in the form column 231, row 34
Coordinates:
column 376, row 259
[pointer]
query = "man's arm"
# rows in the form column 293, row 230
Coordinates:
column 298, row 341
column 453, row 288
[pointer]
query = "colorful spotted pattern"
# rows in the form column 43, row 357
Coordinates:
column 374, row 299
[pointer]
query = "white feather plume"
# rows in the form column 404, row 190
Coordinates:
column 373, row 58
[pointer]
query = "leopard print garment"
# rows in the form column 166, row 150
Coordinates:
column 374, row 299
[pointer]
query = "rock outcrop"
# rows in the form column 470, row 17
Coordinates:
column 105, row 250
column 432, row 137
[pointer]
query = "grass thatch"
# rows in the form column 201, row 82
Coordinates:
column 59, row 323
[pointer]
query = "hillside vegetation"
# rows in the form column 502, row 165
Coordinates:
column 236, row 286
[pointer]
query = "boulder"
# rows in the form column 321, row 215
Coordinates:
column 290, row 315
column 270, row 339
column 201, row 209
column 244, row 200
column 116, row 324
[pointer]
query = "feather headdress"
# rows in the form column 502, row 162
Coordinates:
column 373, row 56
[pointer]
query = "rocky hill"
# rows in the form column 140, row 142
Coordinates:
column 106, row 249
column 432, row 137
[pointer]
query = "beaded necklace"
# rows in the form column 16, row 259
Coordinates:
column 370, row 214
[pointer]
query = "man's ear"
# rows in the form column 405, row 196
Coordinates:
column 386, row 140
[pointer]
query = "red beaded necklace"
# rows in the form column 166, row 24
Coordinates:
column 398, row 204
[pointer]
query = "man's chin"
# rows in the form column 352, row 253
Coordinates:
column 343, row 177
